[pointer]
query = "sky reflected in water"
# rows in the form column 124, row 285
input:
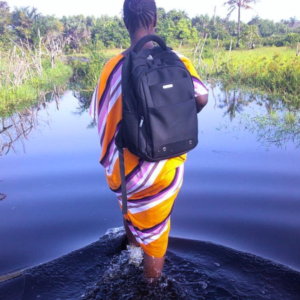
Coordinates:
column 241, row 189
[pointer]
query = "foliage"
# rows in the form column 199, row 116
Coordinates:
column 25, row 76
column 86, row 74
column 273, row 70
column 239, row 5
column 77, row 33
column 278, row 129
column 209, row 41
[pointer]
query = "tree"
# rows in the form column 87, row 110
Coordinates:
column 239, row 5
column 249, row 35
column 177, row 15
column 23, row 20
column 4, row 17
column 201, row 23
column 254, row 21
column 293, row 21
column 76, row 32
column 267, row 28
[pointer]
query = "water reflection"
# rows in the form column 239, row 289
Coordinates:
column 275, row 129
column 232, row 101
column 84, row 101
column 235, row 193
column 15, row 129
column 273, row 122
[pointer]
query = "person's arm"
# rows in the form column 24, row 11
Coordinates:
column 201, row 91
column 201, row 101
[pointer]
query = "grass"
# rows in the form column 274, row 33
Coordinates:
column 274, row 71
column 15, row 98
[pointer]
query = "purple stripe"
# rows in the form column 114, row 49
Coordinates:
column 138, row 169
column 105, row 157
column 146, row 199
column 131, row 175
column 115, row 69
column 146, row 179
column 102, row 137
column 143, row 170
column 157, row 230
column 112, row 157
column 199, row 81
column 106, row 111
column 108, row 150
column 116, row 77
column 154, row 227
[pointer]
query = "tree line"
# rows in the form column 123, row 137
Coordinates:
column 76, row 33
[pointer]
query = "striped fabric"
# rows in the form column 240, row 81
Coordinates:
column 152, row 187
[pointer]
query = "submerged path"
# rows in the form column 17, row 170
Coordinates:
column 194, row 270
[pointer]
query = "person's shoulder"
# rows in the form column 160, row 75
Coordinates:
column 182, row 57
column 188, row 64
column 112, row 63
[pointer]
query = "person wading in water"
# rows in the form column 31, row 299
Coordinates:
column 151, row 187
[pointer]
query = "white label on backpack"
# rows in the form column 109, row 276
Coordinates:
column 169, row 86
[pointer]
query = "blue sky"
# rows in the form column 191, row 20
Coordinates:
column 269, row 9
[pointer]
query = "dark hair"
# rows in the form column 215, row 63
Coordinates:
column 139, row 13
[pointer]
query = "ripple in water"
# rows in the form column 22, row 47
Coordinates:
column 109, row 269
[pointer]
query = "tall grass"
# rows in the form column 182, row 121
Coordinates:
column 25, row 75
column 86, row 75
column 274, row 71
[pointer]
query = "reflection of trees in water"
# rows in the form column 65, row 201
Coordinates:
column 84, row 101
column 278, row 126
column 233, row 100
column 14, row 130
column 17, row 128
column 2, row 196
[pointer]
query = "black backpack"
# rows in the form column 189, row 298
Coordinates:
column 159, row 108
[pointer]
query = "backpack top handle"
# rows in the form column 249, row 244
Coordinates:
column 148, row 38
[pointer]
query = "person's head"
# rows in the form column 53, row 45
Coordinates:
column 140, row 15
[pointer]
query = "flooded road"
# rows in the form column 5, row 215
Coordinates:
column 241, row 187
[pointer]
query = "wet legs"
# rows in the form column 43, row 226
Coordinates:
column 152, row 265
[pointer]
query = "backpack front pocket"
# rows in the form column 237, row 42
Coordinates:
column 171, row 92
column 174, row 128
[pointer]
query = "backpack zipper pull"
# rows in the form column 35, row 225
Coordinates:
column 142, row 122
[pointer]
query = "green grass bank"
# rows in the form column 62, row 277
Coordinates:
column 273, row 71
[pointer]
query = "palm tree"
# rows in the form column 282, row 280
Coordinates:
column 293, row 21
column 238, row 4
column 23, row 20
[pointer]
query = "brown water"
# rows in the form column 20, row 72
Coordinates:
column 241, row 186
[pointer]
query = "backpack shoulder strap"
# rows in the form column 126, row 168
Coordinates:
column 148, row 38
column 123, row 180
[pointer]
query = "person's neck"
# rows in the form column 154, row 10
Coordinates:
column 136, row 37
